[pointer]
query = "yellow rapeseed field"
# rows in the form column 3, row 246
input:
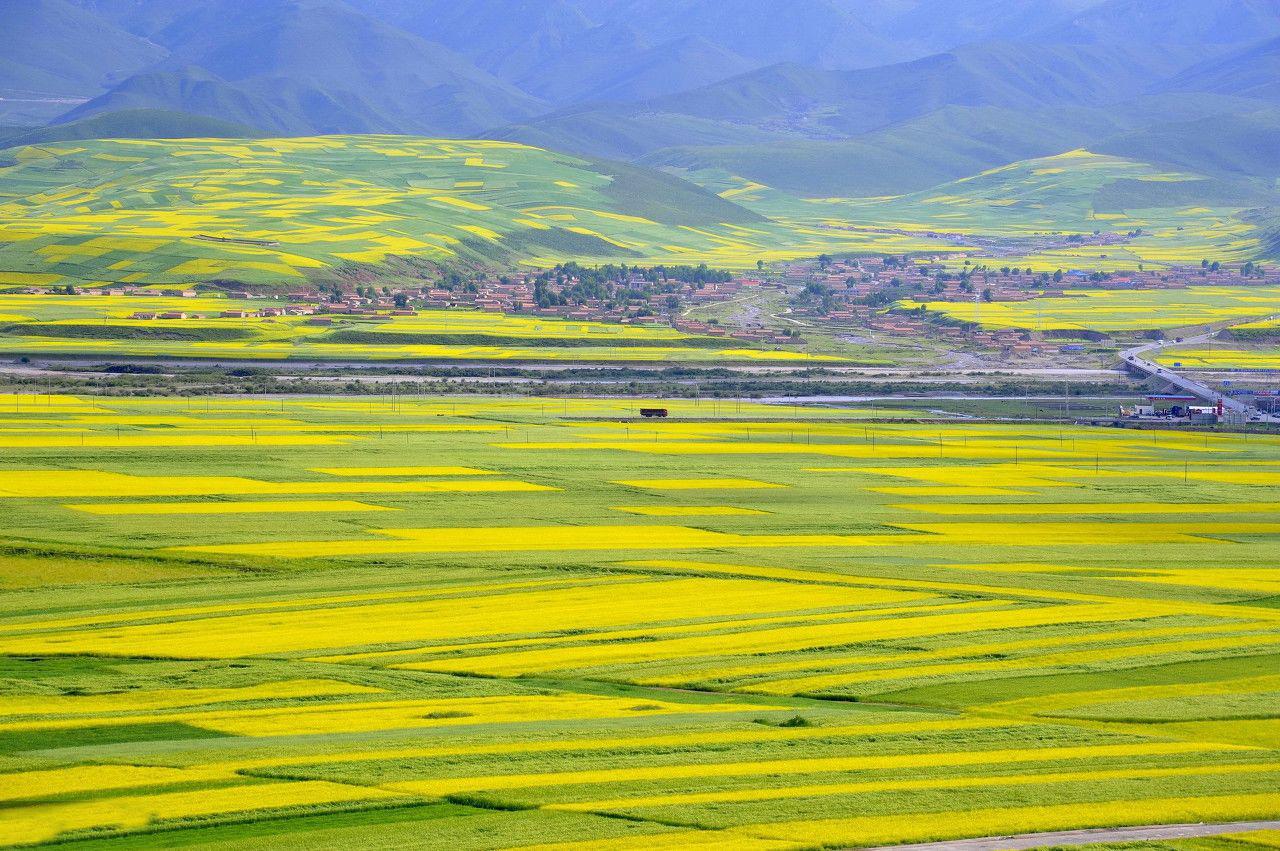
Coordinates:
column 794, row 628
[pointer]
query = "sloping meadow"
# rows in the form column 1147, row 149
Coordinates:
column 274, row 211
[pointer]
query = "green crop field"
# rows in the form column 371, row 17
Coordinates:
column 478, row 623
column 156, row 212
column 103, row 325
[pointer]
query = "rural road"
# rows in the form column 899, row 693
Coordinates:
column 836, row 371
column 1087, row 837
column 1134, row 358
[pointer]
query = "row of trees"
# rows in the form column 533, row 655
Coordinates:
column 573, row 283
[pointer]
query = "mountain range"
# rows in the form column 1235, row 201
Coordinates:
column 817, row 97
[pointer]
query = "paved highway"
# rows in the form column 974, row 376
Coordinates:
column 1135, row 358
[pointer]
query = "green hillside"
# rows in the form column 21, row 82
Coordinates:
column 1241, row 145
column 1198, row 132
column 1253, row 72
column 275, row 211
column 143, row 211
column 190, row 91
column 129, row 124
column 619, row 132
column 1158, row 215
column 945, row 145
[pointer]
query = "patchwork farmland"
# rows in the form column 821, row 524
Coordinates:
column 230, row 328
column 277, row 212
column 270, row 212
column 477, row 623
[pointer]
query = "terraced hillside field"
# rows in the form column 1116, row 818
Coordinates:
column 101, row 326
column 472, row 624
column 1161, row 216
column 275, row 211
column 142, row 211
column 1264, row 330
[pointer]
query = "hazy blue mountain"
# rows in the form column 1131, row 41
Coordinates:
column 804, row 102
column 932, row 26
column 1004, row 74
column 942, row 146
column 506, row 39
column 1244, row 145
column 1200, row 133
column 819, row 97
column 141, row 17
column 191, row 91
column 54, row 47
column 194, row 91
column 622, row 134
column 131, row 124
column 1203, row 23
column 619, row 64
column 1253, row 72
column 815, row 32
column 303, row 66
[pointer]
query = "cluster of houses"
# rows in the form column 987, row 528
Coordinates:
column 645, row 303
column 1006, row 340
column 939, row 280
column 233, row 313
column 854, row 294
column 754, row 335
column 1175, row 406
column 518, row 294
column 857, row 293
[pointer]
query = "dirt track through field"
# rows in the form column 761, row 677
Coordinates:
column 1088, row 837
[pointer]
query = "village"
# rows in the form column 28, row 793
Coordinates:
column 870, row 294
column 837, row 296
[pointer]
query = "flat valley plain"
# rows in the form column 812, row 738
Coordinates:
column 545, row 623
